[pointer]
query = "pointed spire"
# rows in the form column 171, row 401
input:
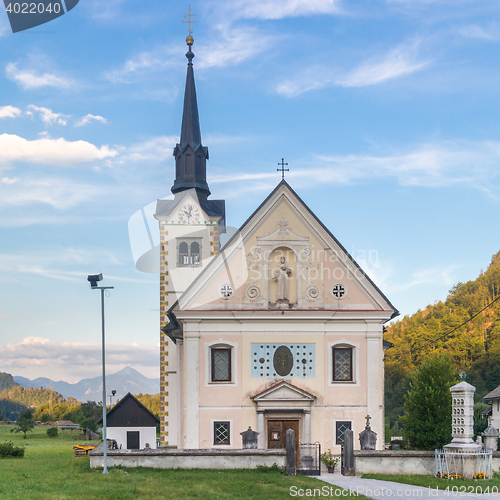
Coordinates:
column 190, row 154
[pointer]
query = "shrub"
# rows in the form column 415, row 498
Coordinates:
column 52, row 432
column 8, row 449
column 273, row 468
column 427, row 418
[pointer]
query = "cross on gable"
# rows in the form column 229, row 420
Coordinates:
column 283, row 169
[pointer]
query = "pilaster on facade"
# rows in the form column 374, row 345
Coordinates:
column 374, row 358
column 164, row 341
column 192, row 360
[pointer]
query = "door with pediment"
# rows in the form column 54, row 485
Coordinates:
column 276, row 433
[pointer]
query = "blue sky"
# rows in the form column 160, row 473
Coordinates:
column 387, row 112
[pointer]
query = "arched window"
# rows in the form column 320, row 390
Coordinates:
column 221, row 364
column 342, row 364
column 188, row 252
column 195, row 253
column 183, row 254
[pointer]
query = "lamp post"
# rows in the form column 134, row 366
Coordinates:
column 93, row 279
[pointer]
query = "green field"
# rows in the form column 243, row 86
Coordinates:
column 50, row 471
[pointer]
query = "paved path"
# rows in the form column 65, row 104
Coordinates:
column 382, row 490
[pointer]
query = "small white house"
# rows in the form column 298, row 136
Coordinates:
column 131, row 424
column 493, row 398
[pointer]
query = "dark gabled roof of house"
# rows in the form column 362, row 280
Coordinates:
column 130, row 412
column 494, row 394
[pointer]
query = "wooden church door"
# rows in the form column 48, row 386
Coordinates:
column 276, row 433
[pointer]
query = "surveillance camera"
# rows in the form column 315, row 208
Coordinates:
column 113, row 392
column 94, row 278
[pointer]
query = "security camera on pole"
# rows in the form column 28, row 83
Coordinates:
column 94, row 279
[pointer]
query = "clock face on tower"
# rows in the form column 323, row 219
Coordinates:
column 189, row 214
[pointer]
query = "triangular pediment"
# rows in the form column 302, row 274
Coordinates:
column 283, row 391
column 245, row 275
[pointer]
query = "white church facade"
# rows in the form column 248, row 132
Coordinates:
column 278, row 329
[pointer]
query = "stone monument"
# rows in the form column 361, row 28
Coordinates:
column 249, row 438
column 462, row 457
column 462, row 418
column 368, row 438
column 490, row 438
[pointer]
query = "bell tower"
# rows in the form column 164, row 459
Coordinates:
column 190, row 226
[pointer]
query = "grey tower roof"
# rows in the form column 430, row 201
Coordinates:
column 190, row 155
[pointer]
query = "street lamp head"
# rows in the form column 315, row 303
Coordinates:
column 94, row 278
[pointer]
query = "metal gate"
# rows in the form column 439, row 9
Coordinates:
column 309, row 459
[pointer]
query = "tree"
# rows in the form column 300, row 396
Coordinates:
column 427, row 418
column 24, row 423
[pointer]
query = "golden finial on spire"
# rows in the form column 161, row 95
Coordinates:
column 189, row 39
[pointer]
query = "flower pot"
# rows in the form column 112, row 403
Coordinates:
column 331, row 470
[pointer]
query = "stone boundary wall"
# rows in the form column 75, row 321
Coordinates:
column 400, row 462
column 189, row 459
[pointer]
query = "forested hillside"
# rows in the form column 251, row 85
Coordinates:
column 6, row 381
column 49, row 405
column 16, row 399
column 473, row 348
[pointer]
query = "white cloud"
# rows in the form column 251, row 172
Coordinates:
column 30, row 79
column 435, row 276
column 105, row 11
column 51, row 151
column 48, row 116
column 398, row 62
column 447, row 163
column 88, row 118
column 72, row 361
column 9, row 180
column 145, row 62
column 432, row 165
column 279, row 9
column 247, row 42
column 58, row 193
column 9, row 112
column 154, row 149
column 490, row 33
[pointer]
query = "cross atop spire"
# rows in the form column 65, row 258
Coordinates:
column 283, row 169
column 188, row 22
column 190, row 155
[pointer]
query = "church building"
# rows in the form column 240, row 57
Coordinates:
column 279, row 329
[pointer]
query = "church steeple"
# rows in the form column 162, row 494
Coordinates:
column 190, row 155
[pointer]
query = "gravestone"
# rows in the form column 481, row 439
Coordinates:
column 368, row 438
column 290, row 452
column 249, row 438
column 347, row 466
column 490, row 437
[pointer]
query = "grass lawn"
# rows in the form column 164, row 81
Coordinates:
column 466, row 485
column 50, row 471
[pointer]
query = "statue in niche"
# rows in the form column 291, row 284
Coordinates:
column 281, row 277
